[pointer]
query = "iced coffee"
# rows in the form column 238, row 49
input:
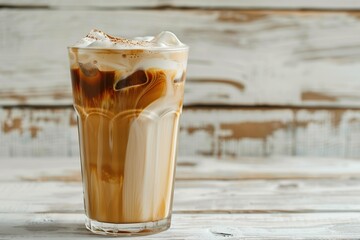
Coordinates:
column 128, row 95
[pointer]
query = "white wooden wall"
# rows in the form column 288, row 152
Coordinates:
column 265, row 77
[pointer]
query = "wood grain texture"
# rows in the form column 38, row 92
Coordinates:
column 60, row 169
column 39, row 200
column 237, row 57
column 201, row 197
column 195, row 226
column 217, row 132
column 278, row 4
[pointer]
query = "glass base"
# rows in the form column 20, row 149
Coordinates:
column 127, row 229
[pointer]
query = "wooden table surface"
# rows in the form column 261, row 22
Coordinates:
column 258, row 198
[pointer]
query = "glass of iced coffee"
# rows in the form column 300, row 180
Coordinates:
column 128, row 96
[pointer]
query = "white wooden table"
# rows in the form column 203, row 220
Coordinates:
column 264, row 198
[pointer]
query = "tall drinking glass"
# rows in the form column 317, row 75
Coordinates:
column 128, row 98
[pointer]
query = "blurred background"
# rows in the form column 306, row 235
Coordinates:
column 264, row 78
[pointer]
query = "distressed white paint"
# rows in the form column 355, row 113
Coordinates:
column 305, row 132
column 54, row 135
column 195, row 226
column 278, row 4
column 321, row 208
column 249, row 196
column 336, row 133
column 352, row 143
column 270, row 168
column 200, row 142
column 321, row 129
column 276, row 55
column 68, row 169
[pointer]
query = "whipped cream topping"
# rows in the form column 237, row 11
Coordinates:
column 99, row 39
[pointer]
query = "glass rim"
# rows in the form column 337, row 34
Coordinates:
column 170, row 49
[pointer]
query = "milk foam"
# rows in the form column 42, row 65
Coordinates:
column 143, row 53
column 99, row 39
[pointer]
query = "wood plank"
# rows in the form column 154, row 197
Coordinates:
column 278, row 4
column 244, row 196
column 222, row 133
column 38, row 132
column 262, row 57
column 280, row 168
column 190, row 168
column 234, row 132
column 195, row 226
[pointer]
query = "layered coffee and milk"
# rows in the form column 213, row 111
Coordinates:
column 128, row 96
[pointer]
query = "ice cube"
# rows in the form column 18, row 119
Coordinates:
column 97, row 35
column 88, row 69
column 99, row 39
column 167, row 39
